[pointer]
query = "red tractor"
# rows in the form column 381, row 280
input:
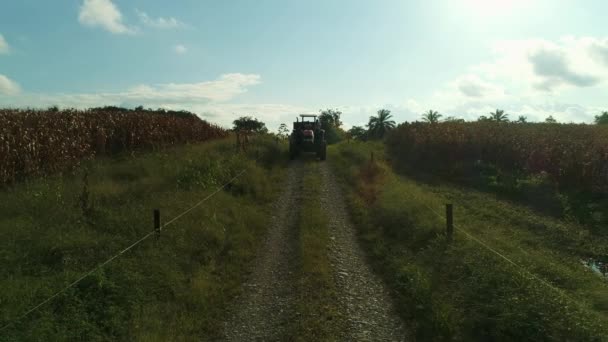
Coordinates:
column 307, row 136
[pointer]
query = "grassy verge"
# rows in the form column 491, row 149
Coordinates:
column 462, row 291
column 319, row 318
column 54, row 229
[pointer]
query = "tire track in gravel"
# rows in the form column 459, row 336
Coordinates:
column 266, row 306
column 366, row 303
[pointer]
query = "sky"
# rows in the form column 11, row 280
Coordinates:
column 276, row 59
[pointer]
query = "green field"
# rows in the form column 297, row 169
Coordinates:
column 463, row 290
column 511, row 273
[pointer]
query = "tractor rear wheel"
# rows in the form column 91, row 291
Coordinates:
column 292, row 151
column 322, row 154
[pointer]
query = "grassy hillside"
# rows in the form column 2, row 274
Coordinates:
column 53, row 229
column 463, row 291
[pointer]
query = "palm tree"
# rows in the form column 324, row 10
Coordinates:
column 522, row 119
column 499, row 116
column 380, row 124
column 431, row 116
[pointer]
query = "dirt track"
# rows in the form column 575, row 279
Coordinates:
column 368, row 309
column 266, row 307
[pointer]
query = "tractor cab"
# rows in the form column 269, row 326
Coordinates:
column 306, row 121
column 307, row 136
column 306, row 127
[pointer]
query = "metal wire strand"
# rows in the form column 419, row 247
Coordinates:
column 98, row 267
column 505, row 258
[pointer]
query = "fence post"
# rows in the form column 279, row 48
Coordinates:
column 371, row 157
column 449, row 221
column 157, row 222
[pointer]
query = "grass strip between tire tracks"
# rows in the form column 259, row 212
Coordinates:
column 317, row 304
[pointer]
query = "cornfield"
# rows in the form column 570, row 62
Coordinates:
column 574, row 157
column 35, row 142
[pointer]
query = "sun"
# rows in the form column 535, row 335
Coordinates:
column 493, row 7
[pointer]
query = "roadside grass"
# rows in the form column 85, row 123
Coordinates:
column 462, row 291
column 54, row 229
column 317, row 304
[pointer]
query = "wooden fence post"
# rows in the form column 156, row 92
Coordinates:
column 449, row 220
column 157, row 222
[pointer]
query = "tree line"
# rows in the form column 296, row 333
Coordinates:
column 381, row 123
column 499, row 116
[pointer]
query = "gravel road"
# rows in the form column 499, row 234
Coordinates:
column 265, row 308
column 369, row 312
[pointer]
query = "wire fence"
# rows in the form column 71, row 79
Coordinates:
column 109, row 260
column 448, row 217
column 494, row 251
column 451, row 226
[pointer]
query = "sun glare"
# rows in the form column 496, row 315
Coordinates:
column 493, row 7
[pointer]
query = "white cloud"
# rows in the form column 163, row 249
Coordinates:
column 224, row 88
column 208, row 93
column 8, row 86
column 160, row 22
column 531, row 77
column 180, row 49
column 413, row 106
column 540, row 65
column 599, row 51
column 4, row 48
column 210, row 99
column 272, row 114
column 473, row 86
column 104, row 14
column 552, row 67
